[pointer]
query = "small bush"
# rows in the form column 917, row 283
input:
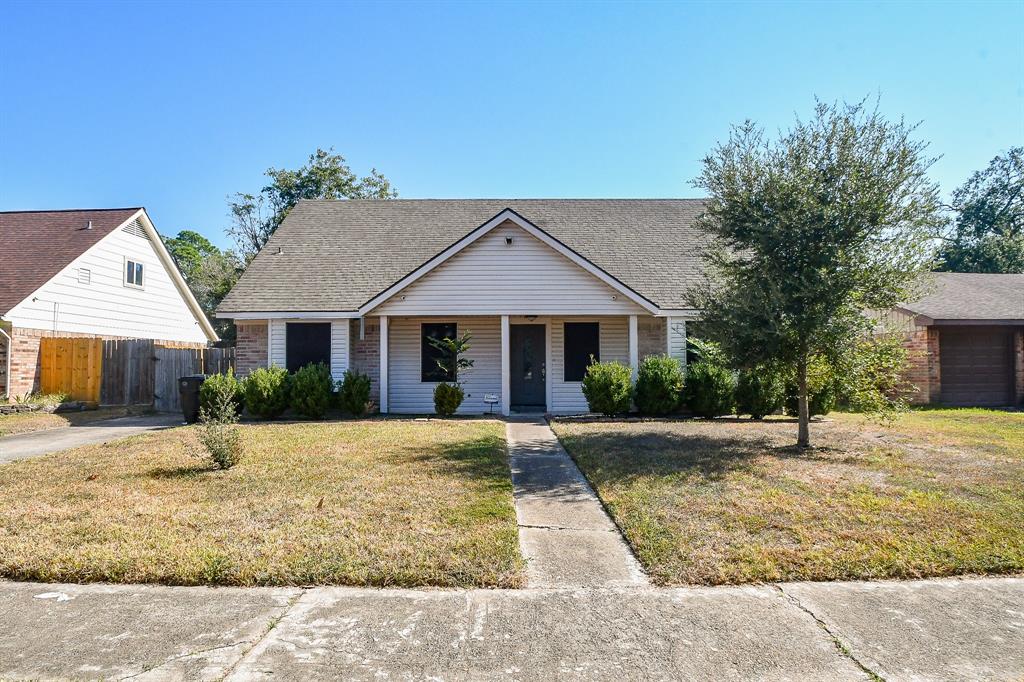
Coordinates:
column 659, row 385
column 217, row 431
column 354, row 393
column 759, row 392
column 311, row 389
column 266, row 392
column 608, row 387
column 222, row 384
column 710, row 389
column 821, row 390
column 448, row 398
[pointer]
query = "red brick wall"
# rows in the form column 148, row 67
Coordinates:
column 922, row 344
column 3, row 364
column 250, row 346
column 364, row 354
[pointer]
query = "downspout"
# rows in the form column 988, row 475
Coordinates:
column 7, row 376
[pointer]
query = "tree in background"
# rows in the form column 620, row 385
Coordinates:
column 324, row 176
column 809, row 231
column 988, row 226
column 209, row 272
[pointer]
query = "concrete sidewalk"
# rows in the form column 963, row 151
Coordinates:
column 566, row 536
column 933, row 629
column 25, row 445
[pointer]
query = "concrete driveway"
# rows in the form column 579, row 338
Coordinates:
column 949, row 629
column 25, row 445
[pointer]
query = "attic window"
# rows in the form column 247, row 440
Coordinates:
column 133, row 273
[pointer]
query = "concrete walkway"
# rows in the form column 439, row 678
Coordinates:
column 924, row 630
column 25, row 445
column 566, row 536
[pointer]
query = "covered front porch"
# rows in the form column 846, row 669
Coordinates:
column 521, row 363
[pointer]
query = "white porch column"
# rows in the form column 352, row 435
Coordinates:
column 506, row 373
column 383, row 364
column 634, row 351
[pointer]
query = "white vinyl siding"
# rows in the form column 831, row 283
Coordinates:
column 677, row 339
column 567, row 396
column 103, row 305
column 407, row 394
column 526, row 277
column 278, row 338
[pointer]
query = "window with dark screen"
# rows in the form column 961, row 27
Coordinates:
column 307, row 343
column 582, row 347
column 430, row 354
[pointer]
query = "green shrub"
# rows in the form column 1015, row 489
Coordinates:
column 759, row 392
column 448, row 398
column 608, row 387
column 822, row 390
column 659, row 385
column 222, row 384
column 266, row 392
column 311, row 389
column 217, row 432
column 354, row 393
column 710, row 389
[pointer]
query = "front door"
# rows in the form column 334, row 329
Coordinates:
column 527, row 366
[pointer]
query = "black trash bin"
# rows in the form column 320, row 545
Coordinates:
column 188, row 388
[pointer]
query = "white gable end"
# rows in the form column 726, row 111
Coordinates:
column 508, row 272
column 89, row 295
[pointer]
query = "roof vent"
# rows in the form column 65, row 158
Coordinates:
column 280, row 250
column 88, row 225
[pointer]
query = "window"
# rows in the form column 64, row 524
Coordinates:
column 429, row 354
column 307, row 343
column 132, row 273
column 582, row 347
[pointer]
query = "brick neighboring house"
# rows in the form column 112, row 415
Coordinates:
column 541, row 284
column 87, row 273
column 966, row 340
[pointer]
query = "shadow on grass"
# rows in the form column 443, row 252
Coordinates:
column 622, row 457
column 478, row 458
column 190, row 471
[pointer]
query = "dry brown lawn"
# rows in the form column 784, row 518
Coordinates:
column 375, row 502
column 938, row 492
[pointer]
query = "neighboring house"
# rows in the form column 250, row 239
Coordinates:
column 542, row 285
column 92, row 273
column 966, row 338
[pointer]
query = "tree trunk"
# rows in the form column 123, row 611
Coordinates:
column 803, row 439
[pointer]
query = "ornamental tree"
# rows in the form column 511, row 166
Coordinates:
column 809, row 230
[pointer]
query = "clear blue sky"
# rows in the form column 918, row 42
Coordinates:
column 176, row 106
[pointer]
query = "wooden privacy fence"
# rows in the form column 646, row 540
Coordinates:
column 71, row 366
column 125, row 371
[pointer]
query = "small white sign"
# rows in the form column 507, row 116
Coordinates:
column 491, row 399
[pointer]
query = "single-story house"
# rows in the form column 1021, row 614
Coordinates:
column 542, row 285
column 966, row 339
column 87, row 273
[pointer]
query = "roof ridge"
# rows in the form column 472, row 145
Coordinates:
column 77, row 210
column 406, row 199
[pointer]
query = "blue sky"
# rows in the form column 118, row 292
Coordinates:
column 176, row 106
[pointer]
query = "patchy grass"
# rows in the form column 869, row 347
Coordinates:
column 938, row 492
column 26, row 422
column 404, row 503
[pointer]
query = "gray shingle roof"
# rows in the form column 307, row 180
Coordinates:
column 337, row 255
column 972, row 296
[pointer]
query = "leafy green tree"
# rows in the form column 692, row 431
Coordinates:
column 324, row 176
column 809, row 231
column 988, row 226
column 209, row 272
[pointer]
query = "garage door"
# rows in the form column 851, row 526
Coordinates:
column 976, row 365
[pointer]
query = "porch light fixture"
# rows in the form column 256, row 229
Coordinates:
column 531, row 318
column 508, row 241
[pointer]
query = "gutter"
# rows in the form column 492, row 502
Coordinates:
column 10, row 351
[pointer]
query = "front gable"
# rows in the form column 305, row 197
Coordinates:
column 509, row 271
